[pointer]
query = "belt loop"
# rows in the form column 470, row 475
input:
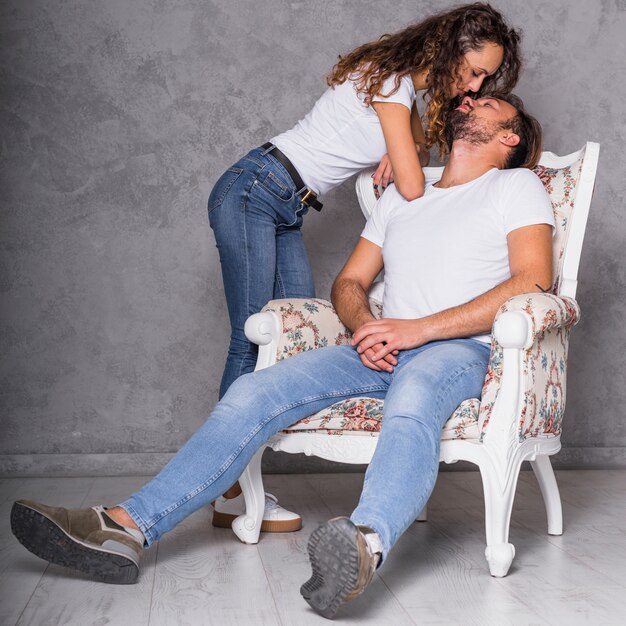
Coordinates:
column 267, row 147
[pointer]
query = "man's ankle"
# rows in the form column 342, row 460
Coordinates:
column 120, row 516
column 373, row 541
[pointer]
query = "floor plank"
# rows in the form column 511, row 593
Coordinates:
column 563, row 589
column 439, row 582
column 207, row 576
column 437, row 573
column 20, row 571
column 286, row 562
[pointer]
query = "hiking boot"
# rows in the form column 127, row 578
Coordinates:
column 276, row 519
column 343, row 565
column 87, row 540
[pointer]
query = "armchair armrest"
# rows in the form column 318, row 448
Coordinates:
column 524, row 391
column 287, row 327
column 524, row 320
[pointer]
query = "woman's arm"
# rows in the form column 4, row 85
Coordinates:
column 419, row 137
column 408, row 176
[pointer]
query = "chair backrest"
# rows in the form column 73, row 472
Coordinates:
column 569, row 181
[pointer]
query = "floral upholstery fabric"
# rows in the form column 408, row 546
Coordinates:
column 310, row 324
column 362, row 416
column 313, row 323
column 543, row 365
column 307, row 324
column 561, row 187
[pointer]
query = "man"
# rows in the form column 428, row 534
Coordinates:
column 477, row 237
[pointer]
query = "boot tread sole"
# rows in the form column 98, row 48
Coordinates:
column 45, row 539
column 334, row 557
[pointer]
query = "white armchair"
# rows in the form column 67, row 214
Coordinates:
column 520, row 414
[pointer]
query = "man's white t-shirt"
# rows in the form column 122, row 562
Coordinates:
column 340, row 135
column 449, row 246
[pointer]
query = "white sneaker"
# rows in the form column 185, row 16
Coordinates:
column 275, row 519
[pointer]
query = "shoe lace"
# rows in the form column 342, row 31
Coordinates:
column 271, row 502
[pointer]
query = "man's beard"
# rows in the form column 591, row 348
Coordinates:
column 463, row 126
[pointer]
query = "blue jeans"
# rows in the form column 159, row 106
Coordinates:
column 256, row 217
column 425, row 388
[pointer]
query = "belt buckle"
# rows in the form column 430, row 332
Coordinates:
column 309, row 194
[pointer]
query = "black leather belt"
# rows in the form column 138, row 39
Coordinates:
column 307, row 197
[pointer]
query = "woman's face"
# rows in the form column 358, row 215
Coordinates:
column 475, row 66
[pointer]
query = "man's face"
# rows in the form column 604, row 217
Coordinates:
column 478, row 121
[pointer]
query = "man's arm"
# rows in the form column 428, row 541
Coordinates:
column 349, row 295
column 530, row 262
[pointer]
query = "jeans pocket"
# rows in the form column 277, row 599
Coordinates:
column 275, row 185
column 222, row 187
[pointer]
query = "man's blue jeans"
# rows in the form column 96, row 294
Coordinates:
column 425, row 388
column 256, row 217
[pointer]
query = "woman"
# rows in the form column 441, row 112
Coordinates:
column 368, row 116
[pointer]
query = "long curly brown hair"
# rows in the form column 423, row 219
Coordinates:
column 437, row 45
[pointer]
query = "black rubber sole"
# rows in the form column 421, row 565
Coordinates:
column 41, row 536
column 334, row 557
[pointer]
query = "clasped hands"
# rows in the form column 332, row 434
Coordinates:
column 378, row 342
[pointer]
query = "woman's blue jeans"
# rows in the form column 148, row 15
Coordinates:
column 256, row 215
column 425, row 388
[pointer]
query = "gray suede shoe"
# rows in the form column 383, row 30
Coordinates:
column 87, row 540
column 342, row 563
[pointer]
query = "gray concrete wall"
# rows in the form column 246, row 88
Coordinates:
column 118, row 116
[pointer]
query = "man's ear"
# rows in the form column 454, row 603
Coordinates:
column 509, row 138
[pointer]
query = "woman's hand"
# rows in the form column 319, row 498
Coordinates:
column 380, row 339
column 383, row 175
column 423, row 154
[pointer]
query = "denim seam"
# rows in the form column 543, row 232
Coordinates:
column 279, row 183
column 284, row 169
column 296, row 216
column 244, row 207
column 261, row 162
column 218, row 201
column 152, row 522
column 143, row 527
column 281, row 284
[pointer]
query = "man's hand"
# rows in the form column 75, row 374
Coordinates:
column 386, row 364
column 379, row 339
column 382, row 176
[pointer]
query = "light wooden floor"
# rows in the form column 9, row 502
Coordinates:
column 437, row 573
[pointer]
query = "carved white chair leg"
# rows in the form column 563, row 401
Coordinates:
column 498, row 505
column 542, row 467
column 423, row 516
column 248, row 526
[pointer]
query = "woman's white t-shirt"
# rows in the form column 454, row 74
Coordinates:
column 340, row 135
column 450, row 246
